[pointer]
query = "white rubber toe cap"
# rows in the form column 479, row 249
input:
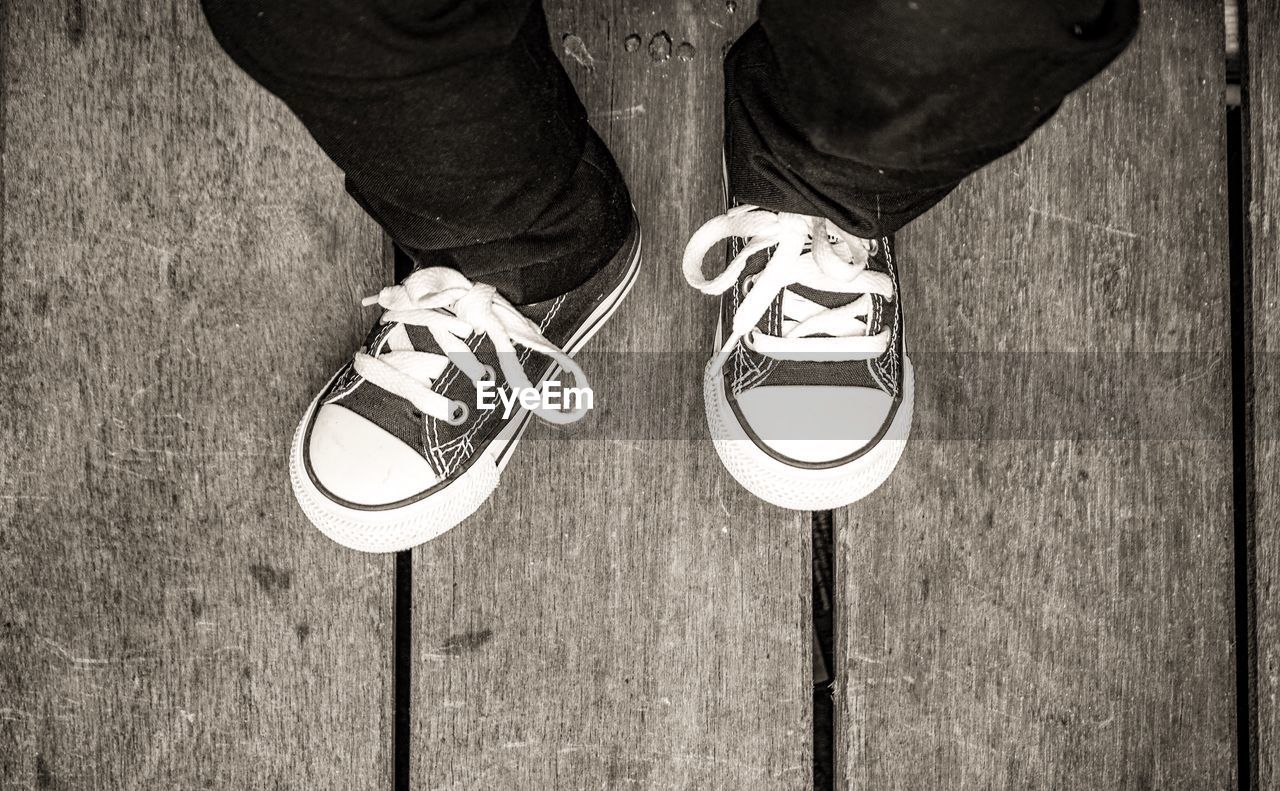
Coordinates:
column 360, row 462
column 815, row 424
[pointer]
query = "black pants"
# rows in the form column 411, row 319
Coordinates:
column 459, row 131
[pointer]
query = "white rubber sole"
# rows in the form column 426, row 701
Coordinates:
column 801, row 488
column 398, row 529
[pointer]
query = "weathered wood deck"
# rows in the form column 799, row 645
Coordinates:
column 1053, row 609
column 1262, row 240
column 1044, row 596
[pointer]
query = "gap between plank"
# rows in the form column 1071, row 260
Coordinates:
column 824, row 647
column 402, row 666
column 1242, row 409
column 402, row 648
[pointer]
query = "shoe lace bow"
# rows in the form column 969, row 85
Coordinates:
column 454, row 309
column 812, row 252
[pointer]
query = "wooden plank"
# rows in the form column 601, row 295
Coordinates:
column 179, row 276
column 1262, row 118
column 621, row 615
column 1042, row 595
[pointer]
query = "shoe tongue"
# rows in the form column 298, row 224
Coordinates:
column 827, row 299
column 421, row 339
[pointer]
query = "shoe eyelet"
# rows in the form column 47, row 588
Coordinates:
column 489, row 374
column 458, row 413
column 749, row 283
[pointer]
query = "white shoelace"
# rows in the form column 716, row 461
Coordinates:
column 834, row 261
column 453, row 309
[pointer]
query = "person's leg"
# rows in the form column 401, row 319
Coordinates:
column 846, row 119
column 869, row 113
column 459, row 131
column 455, row 124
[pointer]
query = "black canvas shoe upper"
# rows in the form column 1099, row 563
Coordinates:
column 449, row 445
column 749, row 373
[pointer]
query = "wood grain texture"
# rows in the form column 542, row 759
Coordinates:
column 1262, row 109
column 1053, row 609
column 179, row 275
column 621, row 614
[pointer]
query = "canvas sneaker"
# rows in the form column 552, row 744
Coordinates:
column 397, row 448
column 809, row 396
